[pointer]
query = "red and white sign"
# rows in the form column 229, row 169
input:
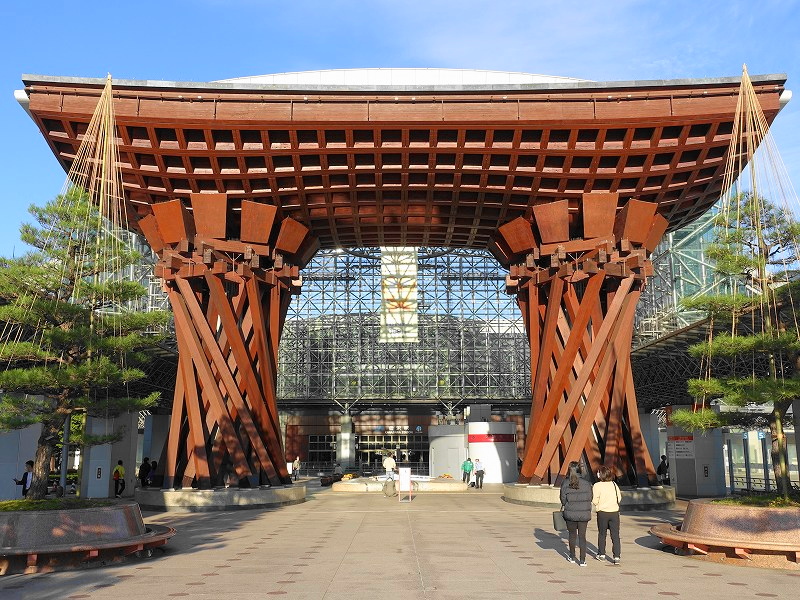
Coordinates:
column 493, row 438
column 680, row 446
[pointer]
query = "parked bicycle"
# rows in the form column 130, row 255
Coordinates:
column 391, row 486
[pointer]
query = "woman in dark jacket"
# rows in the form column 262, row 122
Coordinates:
column 576, row 498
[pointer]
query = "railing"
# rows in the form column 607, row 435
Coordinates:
column 757, row 485
column 316, row 469
column 417, row 468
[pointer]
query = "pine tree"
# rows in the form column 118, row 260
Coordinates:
column 67, row 345
column 755, row 243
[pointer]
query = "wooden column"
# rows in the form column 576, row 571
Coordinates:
column 577, row 275
column 230, row 275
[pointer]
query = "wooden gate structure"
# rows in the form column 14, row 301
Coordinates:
column 236, row 185
column 229, row 290
column 577, row 287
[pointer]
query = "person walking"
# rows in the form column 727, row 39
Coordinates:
column 119, row 479
column 296, row 468
column 479, row 474
column 606, row 497
column 144, row 471
column 27, row 478
column 466, row 470
column 576, row 500
column 390, row 465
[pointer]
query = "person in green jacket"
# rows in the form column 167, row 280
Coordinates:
column 466, row 470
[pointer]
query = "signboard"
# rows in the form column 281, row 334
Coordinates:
column 390, row 429
column 681, row 446
column 399, row 317
column 491, row 438
column 404, row 484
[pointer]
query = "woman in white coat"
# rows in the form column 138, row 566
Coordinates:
column 606, row 497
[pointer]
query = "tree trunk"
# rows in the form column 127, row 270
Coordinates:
column 779, row 449
column 51, row 432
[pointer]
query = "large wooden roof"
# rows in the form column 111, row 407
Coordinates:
column 410, row 165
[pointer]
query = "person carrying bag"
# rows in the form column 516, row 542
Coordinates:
column 606, row 497
column 576, row 498
column 559, row 524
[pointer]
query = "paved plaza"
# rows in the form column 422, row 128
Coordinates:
column 352, row 546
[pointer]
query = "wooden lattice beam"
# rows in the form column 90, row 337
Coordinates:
column 229, row 296
column 577, row 280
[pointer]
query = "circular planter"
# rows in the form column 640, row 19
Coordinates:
column 44, row 540
column 752, row 535
column 548, row 496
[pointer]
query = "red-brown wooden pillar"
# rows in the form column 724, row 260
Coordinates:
column 229, row 275
column 585, row 268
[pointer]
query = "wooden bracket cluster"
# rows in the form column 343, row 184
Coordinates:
column 230, row 275
column 577, row 276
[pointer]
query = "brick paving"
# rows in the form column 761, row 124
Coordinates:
column 354, row 546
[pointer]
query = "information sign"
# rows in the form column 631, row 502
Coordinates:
column 404, row 484
column 682, row 446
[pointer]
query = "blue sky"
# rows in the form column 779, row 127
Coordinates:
column 204, row 40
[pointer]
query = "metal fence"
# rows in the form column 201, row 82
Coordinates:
column 318, row 469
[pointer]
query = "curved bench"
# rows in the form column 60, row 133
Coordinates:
column 745, row 532
column 75, row 535
column 156, row 537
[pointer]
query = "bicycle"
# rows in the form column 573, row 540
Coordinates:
column 391, row 486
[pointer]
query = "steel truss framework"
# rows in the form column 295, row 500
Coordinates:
column 662, row 367
column 472, row 346
column 665, row 329
column 680, row 270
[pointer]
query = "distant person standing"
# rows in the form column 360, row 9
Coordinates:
column 576, row 498
column 27, row 478
column 663, row 470
column 478, row 474
column 606, row 497
column 119, row 479
column 296, row 468
column 466, row 470
column 151, row 476
column 144, row 471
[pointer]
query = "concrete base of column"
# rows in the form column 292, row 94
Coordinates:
column 642, row 498
column 219, row 499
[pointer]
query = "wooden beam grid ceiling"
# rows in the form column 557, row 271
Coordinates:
column 577, row 278
column 229, row 297
column 365, row 171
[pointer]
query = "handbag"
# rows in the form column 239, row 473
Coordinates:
column 559, row 524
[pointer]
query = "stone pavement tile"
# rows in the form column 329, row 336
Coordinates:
column 464, row 546
column 387, row 593
column 470, row 594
